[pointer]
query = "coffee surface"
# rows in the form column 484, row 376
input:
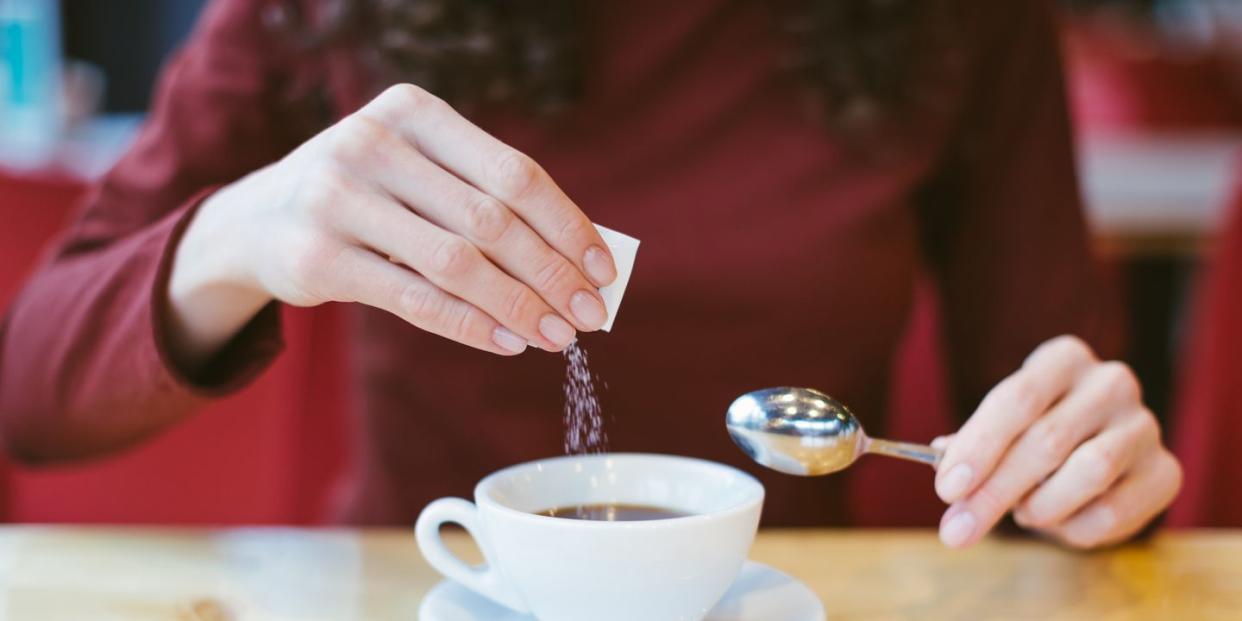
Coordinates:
column 613, row 513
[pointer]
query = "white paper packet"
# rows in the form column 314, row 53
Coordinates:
column 624, row 249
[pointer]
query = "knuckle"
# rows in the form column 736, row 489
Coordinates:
column 982, row 443
column 520, row 305
column 1101, row 465
column 409, row 97
column 1020, row 393
column 333, row 183
column 359, row 140
column 1050, row 441
column 1174, row 467
column 552, row 274
column 572, row 230
column 487, row 218
column 421, row 304
column 458, row 325
column 389, row 295
column 1120, row 382
column 1071, row 346
column 328, row 190
column 516, row 175
column 452, row 258
column 1148, row 428
column 311, row 258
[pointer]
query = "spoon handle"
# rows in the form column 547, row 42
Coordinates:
column 906, row 450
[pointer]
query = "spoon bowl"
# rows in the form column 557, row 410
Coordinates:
column 804, row 432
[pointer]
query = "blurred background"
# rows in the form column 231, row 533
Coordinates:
column 1156, row 92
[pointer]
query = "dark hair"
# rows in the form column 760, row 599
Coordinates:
column 868, row 60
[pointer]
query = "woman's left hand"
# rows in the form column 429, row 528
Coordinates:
column 1067, row 445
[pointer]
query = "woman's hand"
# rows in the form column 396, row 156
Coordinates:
column 1067, row 445
column 405, row 206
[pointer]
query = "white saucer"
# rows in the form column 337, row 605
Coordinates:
column 760, row 593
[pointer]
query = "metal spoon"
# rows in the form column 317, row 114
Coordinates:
column 805, row 432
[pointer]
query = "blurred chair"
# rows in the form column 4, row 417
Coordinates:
column 267, row 455
column 1209, row 415
column 1125, row 90
column 1138, row 97
column 1160, row 129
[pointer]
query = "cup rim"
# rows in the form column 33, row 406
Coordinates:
column 482, row 498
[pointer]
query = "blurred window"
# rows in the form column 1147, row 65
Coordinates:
column 128, row 40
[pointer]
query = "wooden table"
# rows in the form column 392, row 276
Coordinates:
column 73, row 574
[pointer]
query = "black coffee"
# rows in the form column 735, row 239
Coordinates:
column 613, row 513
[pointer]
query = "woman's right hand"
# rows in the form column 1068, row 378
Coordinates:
column 405, row 206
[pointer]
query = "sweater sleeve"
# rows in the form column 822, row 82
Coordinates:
column 83, row 363
column 1003, row 221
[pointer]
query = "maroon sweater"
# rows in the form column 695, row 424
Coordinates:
column 770, row 255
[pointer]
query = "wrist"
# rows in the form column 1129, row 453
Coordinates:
column 212, row 291
column 214, row 253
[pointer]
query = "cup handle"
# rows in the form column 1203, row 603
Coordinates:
column 486, row 580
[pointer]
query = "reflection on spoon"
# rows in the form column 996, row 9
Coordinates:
column 805, row 432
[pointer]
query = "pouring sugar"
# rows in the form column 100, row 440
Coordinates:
column 584, row 421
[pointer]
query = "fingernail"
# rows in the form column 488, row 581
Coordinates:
column 588, row 310
column 508, row 341
column 599, row 266
column 556, row 330
column 958, row 529
column 940, row 442
column 955, row 483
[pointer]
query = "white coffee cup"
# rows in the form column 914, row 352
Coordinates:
column 562, row 569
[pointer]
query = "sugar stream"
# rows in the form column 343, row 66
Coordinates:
column 584, row 421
